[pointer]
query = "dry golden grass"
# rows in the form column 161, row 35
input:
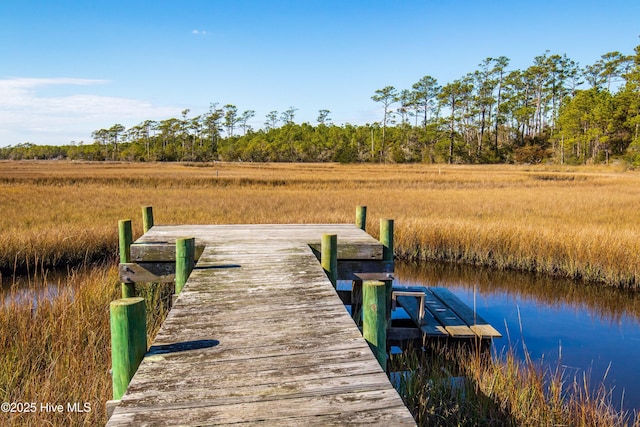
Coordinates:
column 448, row 385
column 573, row 222
column 576, row 222
column 56, row 348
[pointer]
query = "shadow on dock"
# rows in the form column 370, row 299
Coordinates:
column 182, row 346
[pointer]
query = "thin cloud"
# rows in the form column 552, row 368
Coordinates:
column 27, row 115
column 199, row 32
column 27, row 82
column 19, row 91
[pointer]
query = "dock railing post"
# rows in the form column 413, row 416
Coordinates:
column 147, row 218
column 374, row 322
column 361, row 217
column 125, row 236
column 386, row 238
column 185, row 260
column 329, row 256
column 128, row 341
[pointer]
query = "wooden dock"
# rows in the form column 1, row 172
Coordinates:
column 443, row 315
column 258, row 334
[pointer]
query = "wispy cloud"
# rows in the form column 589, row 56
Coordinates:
column 199, row 32
column 26, row 114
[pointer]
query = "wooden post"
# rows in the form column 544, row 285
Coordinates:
column 329, row 256
column 361, row 217
column 386, row 238
column 147, row 218
column 128, row 341
column 125, row 236
column 374, row 322
column 185, row 260
column 356, row 302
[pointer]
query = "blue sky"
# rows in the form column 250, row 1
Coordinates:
column 70, row 67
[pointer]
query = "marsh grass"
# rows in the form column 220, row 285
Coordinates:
column 56, row 348
column 581, row 223
column 573, row 222
column 459, row 385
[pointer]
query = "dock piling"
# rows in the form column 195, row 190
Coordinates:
column 361, row 217
column 386, row 238
column 185, row 260
column 125, row 237
column 374, row 322
column 147, row 218
column 128, row 341
column 329, row 256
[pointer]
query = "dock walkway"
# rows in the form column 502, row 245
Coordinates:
column 259, row 335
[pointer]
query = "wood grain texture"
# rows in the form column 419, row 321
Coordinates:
column 259, row 335
column 476, row 323
column 445, row 315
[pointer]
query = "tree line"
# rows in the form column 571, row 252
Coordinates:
column 553, row 111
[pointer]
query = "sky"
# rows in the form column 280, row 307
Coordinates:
column 68, row 68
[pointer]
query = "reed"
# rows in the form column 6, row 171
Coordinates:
column 55, row 348
column 572, row 222
column 461, row 385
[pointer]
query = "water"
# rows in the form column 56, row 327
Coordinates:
column 591, row 329
column 32, row 290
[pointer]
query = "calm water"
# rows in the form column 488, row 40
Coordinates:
column 32, row 290
column 593, row 328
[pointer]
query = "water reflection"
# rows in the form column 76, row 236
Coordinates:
column 593, row 328
column 32, row 290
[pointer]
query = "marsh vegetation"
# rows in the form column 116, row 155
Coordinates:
column 580, row 223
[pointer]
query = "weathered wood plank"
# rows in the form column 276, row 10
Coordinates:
column 269, row 410
column 241, row 378
column 156, row 272
column 476, row 323
column 363, row 251
column 246, row 348
column 429, row 325
column 374, row 276
column 164, row 272
column 258, row 334
column 445, row 315
column 455, row 326
column 160, row 251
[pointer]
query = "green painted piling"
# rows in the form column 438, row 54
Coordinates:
column 374, row 321
column 128, row 341
column 147, row 218
column 386, row 238
column 185, row 260
column 125, row 236
column 361, row 217
column 329, row 256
